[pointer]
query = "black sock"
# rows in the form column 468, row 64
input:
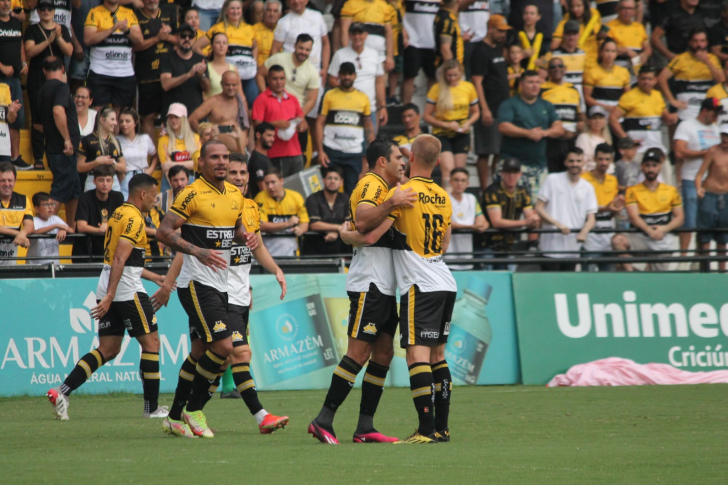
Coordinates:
column 149, row 372
column 341, row 383
column 246, row 387
column 184, row 385
column 443, row 391
column 371, row 392
column 208, row 368
column 422, row 386
column 88, row 364
column 213, row 388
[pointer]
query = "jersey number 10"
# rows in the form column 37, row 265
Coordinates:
column 433, row 233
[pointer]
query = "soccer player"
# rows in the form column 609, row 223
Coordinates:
column 123, row 304
column 370, row 284
column 427, row 290
column 210, row 213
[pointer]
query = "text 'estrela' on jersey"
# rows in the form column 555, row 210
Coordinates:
column 241, row 259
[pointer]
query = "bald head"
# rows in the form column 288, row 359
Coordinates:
column 426, row 150
column 230, row 83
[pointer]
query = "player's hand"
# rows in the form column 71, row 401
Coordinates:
column 212, row 259
column 252, row 240
column 250, row 307
column 21, row 241
column 61, row 236
column 160, row 298
column 281, row 279
column 701, row 193
column 347, row 233
column 331, row 236
column 102, row 308
column 404, row 197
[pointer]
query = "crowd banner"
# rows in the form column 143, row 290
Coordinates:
column 566, row 319
column 45, row 327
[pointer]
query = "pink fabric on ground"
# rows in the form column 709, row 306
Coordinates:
column 615, row 371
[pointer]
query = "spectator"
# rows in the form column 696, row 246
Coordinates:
column 655, row 209
column 452, row 108
column 573, row 57
column 80, row 61
column 712, row 208
column 138, row 148
column 217, row 63
column 16, row 215
column 10, row 109
column 344, row 126
column 255, row 12
column 545, row 22
column 327, row 210
column 370, row 77
column 46, row 222
column 42, row 40
column 720, row 92
column 412, row 129
column 419, row 51
column 473, row 20
column 182, row 73
column 302, row 78
column 207, row 131
column 398, row 42
column 595, row 135
column 180, row 146
column 12, row 66
column 192, row 18
column 94, row 209
column 627, row 169
column 111, row 31
column 534, row 41
column 680, row 20
column 229, row 111
column 588, row 27
column 86, row 116
column 466, row 215
column 695, row 71
column 633, row 45
column 158, row 24
column 526, row 121
column 259, row 163
column 61, row 12
column 283, row 212
column 101, row 148
column 208, row 12
column 514, row 56
column 265, row 29
column 609, row 11
column 692, row 142
column 281, row 110
column 567, row 103
column 718, row 35
column 378, row 16
column 609, row 200
column 606, row 82
column 490, row 78
column 566, row 201
column 506, row 202
column 62, row 137
column 242, row 46
column 448, row 37
column 178, row 180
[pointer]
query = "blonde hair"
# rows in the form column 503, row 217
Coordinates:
column 103, row 114
column 426, row 149
column 204, row 126
column 223, row 13
column 444, row 97
column 186, row 134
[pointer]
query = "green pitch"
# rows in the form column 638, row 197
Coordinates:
column 671, row 434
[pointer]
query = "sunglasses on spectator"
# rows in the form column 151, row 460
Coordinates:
column 556, row 66
column 186, row 36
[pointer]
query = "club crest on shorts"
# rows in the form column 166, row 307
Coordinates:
column 237, row 336
column 370, row 328
column 219, row 327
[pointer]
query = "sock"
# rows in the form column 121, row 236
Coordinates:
column 184, row 385
column 228, row 383
column 422, row 386
column 246, row 387
column 341, row 383
column 149, row 372
column 443, row 391
column 260, row 415
column 371, row 392
column 208, row 368
column 88, row 364
column 213, row 388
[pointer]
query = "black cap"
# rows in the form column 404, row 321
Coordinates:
column 357, row 28
column 44, row 3
column 186, row 28
column 653, row 155
column 511, row 165
column 347, row 68
column 712, row 104
column 571, row 26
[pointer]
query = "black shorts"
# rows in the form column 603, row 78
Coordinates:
column 117, row 91
column 238, row 318
column 371, row 313
column 456, row 144
column 416, row 58
column 150, row 98
column 66, row 183
column 424, row 317
column 207, row 311
column 134, row 316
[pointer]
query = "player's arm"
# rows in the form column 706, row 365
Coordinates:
column 446, row 239
column 242, row 236
column 369, row 217
column 167, row 234
column 161, row 296
column 123, row 250
column 266, row 260
column 153, row 277
column 355, row 238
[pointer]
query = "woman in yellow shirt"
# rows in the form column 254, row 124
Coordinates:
column 590, row 25
column 242, row 47
column 452, row 108
column 606, row 82
column 180, row 146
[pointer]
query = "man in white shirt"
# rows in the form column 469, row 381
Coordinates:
column 370, row 76
column 692, row 140
column 566, row 201
column 467, row 215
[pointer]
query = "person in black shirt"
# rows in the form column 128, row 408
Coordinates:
column 61, row 136
column 101, row 148
column 12, row 67
column 159, row 25
column 327, row 211
column 94, row 209
column 448, row 37
column 490, row 78
column 676, row 27
column 259, row 163
column 545, row 23
column 718, row 36
column 183, row 73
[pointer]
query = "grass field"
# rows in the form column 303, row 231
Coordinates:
column 670, row 434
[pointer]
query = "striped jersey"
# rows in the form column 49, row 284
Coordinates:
column 112, row 56
column 447, row 25
column 240, row 47
column 241, row 259
column 632, row 36
column 719, row 92
column 655, row 206
column 345, row 112
column 272, row 210
column 643, row 117
column 375, row 15
column 566, row 101
column 692, row 79
column 607, row 86
column 419, row 17
column 5, row 101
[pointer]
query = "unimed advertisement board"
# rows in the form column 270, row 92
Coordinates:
column 566, row 319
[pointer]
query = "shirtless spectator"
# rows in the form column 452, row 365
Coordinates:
column 712, row 195
column 228, row 111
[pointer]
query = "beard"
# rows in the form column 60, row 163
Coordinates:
column 347, row 84
column 651, row 177
column 326, row 189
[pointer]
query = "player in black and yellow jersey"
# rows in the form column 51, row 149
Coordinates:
column 123, row 305
column 448, row 36
column 209, row 213
column 421, row 235
column 371, row 287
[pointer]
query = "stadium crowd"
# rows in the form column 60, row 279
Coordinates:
column 576, row 115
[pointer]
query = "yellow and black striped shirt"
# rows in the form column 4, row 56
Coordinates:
column 574, row 64
column 655, row 207
column 643, row 116
column 719, row 92
column 607, row 86
column 566, row 101
column 446, row 25
column 345, row 112
column 631, row 36
column 692, row 80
